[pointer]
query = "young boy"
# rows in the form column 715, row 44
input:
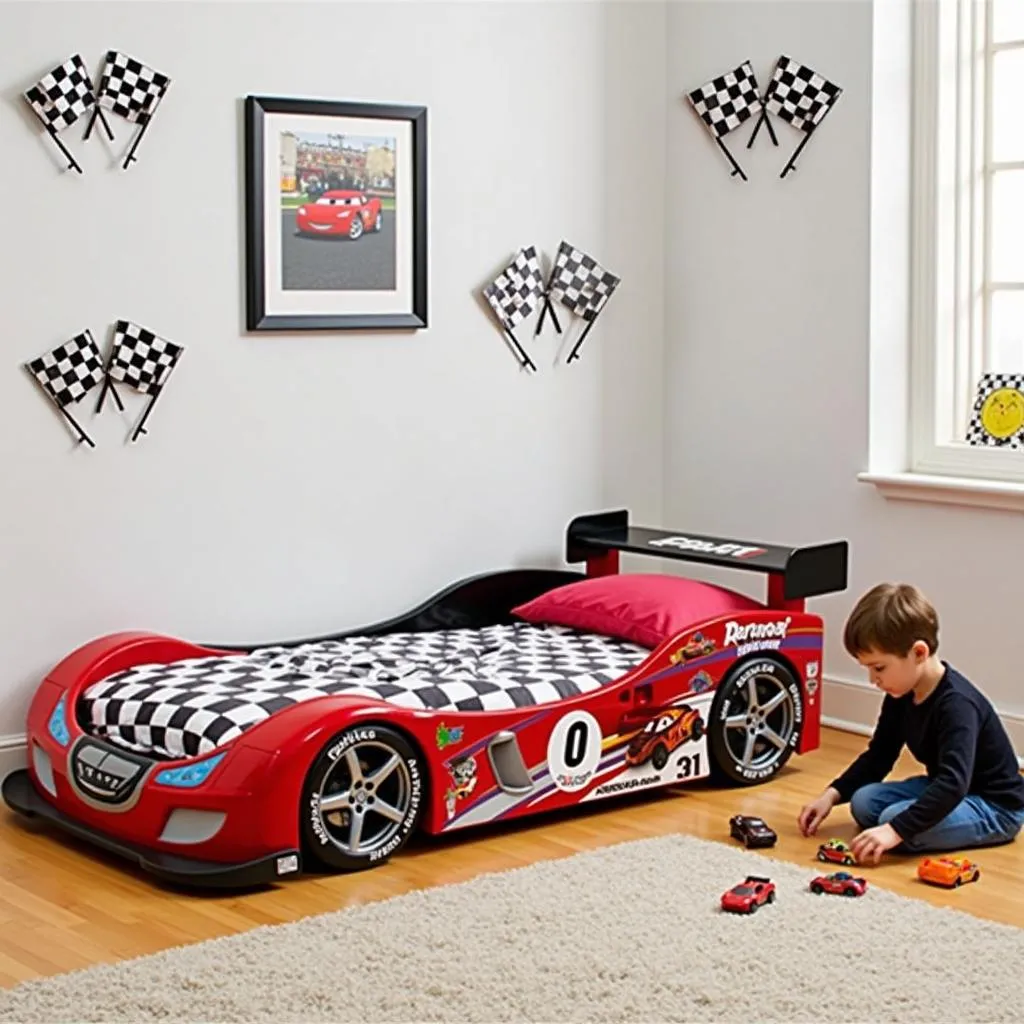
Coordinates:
column 973, row 793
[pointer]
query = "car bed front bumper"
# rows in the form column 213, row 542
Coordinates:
column 20, row 793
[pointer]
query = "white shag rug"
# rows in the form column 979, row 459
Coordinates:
column 628, row 933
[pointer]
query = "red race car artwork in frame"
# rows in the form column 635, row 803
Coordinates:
column 226, row 765
column 340, row 213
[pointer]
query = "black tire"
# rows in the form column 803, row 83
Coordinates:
column 660, row 757
column 327, row 835
column 817, row 889
column 728, row 743
column 698, row 729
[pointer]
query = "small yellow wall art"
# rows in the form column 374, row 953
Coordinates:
column 997, row 419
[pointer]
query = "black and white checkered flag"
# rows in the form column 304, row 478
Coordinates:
column 514, row 294
column 68, row 373
column 582, row 285
column 726, row 102
column 132, row 89
column 143, row 360
column 60, row 98
column 801, row 96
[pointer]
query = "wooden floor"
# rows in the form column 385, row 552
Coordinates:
column 64, row 906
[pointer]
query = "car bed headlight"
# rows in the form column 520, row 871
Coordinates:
column 58, row 724
column 189, row 776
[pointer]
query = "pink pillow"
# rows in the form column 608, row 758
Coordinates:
column 645, row 608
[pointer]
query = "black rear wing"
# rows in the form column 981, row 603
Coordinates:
column 796, row 572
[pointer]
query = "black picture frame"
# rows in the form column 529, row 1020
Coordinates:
column 408, row 223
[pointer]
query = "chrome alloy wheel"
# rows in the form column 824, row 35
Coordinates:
column 365, row 797
column 760, row 721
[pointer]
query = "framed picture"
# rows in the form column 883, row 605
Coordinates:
column 336, row 215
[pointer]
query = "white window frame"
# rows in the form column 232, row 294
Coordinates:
column 949, row 225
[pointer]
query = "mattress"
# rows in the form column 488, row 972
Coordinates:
column 191, row 707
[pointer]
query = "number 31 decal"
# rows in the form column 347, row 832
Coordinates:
column 574, row 750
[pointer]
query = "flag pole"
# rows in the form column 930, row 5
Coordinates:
column 141, row 428
column 98, row 112
column 526, row 360
column 736, row 167
column 757, row 127
column 82, row 435
column 72, row 162
column 575, row 349
column 790, row 165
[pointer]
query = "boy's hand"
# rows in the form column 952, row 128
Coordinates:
column 813, row 814
column 870, row 844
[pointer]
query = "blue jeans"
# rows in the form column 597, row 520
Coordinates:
column 973, row 822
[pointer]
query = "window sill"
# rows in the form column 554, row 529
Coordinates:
column 948, row 490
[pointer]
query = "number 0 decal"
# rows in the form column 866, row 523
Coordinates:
column 574, row 750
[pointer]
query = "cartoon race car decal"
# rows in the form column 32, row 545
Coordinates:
column 340, row 212
column 215, row 764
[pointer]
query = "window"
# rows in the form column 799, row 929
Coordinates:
column 967, row 304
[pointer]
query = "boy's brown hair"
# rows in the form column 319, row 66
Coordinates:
column 891, row 618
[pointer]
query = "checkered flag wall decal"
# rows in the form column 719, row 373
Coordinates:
column 60, row 98
column 997, row 418
column 514, row 295
column 68, row 373
column 799, row 95
column 131, row 89
column 582, row 285
column 142, row 360
column 726, row 102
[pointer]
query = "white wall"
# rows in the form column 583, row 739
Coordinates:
column 767, row 362
column 295, row 484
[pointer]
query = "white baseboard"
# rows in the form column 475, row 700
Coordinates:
column 853, row 707
column 13, row 754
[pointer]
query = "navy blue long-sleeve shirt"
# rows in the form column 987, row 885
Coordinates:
column 957, row 735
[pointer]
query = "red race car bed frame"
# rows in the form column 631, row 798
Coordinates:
column 341, row 781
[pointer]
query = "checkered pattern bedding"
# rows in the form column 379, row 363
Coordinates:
column 192, row 706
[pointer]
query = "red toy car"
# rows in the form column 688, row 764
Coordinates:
column 750, row 894
column 238, row 765
column 841, row 883
column 340, row 212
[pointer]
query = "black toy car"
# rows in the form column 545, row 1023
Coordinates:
column 751, row 831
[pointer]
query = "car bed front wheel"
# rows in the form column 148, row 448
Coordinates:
column 755, row 721
column 362, row 799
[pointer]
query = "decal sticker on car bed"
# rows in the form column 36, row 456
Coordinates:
column 707, row 547
column 447, row 735
column 756, row 636
column 463, row 782
column 574, row 750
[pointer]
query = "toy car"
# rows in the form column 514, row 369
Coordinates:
column 841, row 883
column 751, row 893
column 753, row 832
column 836, row 851
column 340, row 212
column 238, row 765
column 950, row 872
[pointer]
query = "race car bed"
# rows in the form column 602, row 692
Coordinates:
column 507, row 694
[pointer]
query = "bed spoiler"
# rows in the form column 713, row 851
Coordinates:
column 793, row 573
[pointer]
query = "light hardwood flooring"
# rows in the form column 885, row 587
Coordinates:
column 65, row 906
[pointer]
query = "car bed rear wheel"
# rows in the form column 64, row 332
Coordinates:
column 362, row 799
column 755, row 721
